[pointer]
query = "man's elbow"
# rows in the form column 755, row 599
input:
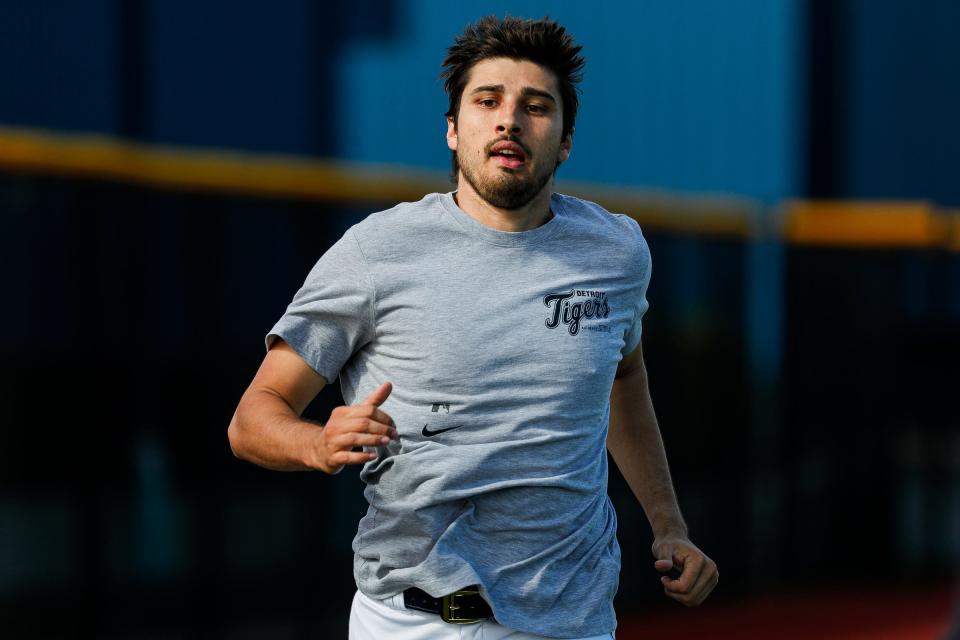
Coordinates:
column 234, row 437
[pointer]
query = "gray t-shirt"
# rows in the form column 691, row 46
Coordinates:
column 502, row 349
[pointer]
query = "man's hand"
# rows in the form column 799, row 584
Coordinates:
column 361, row 425
column 699, row 573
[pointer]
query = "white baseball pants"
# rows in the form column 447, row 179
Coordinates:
column 390, row 620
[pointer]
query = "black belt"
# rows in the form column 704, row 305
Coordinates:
column 460, row 607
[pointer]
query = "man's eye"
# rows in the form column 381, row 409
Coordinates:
column 536, row 108
column 487, row 102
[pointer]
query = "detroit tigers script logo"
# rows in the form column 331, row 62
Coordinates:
column 563, row 308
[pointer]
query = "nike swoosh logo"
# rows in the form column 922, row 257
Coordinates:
column 427, row 432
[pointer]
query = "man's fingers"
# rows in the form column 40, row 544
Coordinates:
column 341, row 458
column 366, row 425
column 357, row 426
column 698, row 573
column 365, row 411
column 346, row 441
column 663, row 565
column 692, row 568
column 663, row 552
column 379, row 396
column 707, row 578
column 380, row 416
column 705, row 584
column 665, row 561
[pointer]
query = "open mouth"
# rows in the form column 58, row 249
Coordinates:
column 508, row 154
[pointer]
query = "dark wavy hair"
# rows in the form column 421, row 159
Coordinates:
column 543, row 42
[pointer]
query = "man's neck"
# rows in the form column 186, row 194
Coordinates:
column 530, row 216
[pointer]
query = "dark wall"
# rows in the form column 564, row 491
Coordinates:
column 138, row 323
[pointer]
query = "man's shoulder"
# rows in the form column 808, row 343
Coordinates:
column 595, row 217
column 404, row 213
column 402, row 218
column 399, row 231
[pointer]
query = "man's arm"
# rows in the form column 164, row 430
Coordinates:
column 636, row 446
column 267, row 429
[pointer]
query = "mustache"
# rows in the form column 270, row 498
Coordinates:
column 508, row 138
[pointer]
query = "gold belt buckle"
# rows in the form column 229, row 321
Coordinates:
column 450, row 608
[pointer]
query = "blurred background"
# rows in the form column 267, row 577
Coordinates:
column 170, row 171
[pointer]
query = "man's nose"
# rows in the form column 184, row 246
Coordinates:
column 509, row 122
column 508, row 129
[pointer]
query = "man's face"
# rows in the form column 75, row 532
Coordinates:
column 507, row 136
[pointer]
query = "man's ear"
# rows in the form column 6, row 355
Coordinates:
column 565, row 147
column 451, row 133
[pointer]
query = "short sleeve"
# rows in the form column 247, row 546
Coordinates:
column 642, row 267
column 331, row 316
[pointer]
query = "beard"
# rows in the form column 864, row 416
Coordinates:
column 506, row 189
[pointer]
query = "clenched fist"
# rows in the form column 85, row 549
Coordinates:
column 699, row 575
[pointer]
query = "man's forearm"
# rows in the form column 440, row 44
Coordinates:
column 636, row 446
column 266, row 431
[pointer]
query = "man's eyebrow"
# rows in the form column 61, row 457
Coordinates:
column 489, row 88
column 526, row 91
column 530, row 91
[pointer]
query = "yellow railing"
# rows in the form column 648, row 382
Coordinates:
column 865, row 224
column 826, row 223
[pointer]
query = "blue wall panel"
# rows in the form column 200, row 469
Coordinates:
column 58, row 65
column 686, row 95
column 902, row 132
column 233, row 75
